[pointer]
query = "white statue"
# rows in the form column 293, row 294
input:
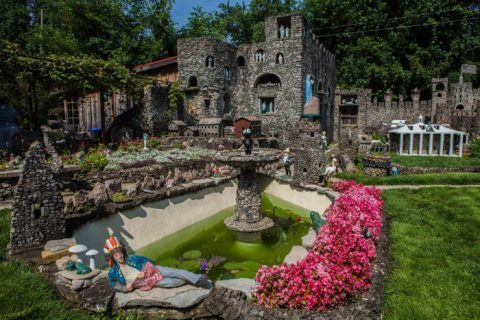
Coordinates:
column 282, row 31
column 264, row 107
column 280, row 58
column 263, row 56
column 270, row 107
column 257, row 58
column 324, row 141
column 287, row 32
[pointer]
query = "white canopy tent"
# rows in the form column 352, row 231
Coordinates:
column 437, row 136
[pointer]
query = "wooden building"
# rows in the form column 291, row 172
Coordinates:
column 248, row 122
column 165, row 70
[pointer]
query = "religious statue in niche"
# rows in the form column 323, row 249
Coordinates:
column 248, row 140
column 280, row 58
column 281, row 31
column 209, row 62
column 267, row 105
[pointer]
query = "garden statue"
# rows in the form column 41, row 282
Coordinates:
column 169, row 180
column 80, row 267
column 324, row 141
column 287, row 161
column 394, row 170
column 128, row 273
column 331, row 169
column 316, row 221
column 287, row 32
column 280, row 58
column 247, row 141
column 270, row 107
column 145, row 137
column 282, row 31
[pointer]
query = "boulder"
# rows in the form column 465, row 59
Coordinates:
column 148, row 182
column 242, row 284
column 297, row 253
column 349, row 165
column 113, row 186
column 309, row 239
column 182, row 297
column 99, row 194
column 80, row 200
column 188, row 177
column 133, row 189
column 93, row 296
column 60, row 244
column 160, row 182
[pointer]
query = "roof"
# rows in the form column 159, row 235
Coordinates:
column 156, row 64
column 178, row 122
column 249, row 118
column 192, row 128
column 206, row 121
column 424, row 128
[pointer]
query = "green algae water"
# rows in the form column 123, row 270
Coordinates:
column 209, row 241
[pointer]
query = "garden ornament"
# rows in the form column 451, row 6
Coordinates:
column 92, row 253
column 82, row 268
column 316, row 221
column 247, row 141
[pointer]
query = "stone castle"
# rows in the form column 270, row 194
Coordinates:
column 285, row 80
column 457, row 104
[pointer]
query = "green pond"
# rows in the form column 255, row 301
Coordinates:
column 210, row 241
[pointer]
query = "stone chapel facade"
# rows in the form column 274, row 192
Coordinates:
column 287, row 79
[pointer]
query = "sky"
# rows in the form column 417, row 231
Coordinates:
column 182, row 8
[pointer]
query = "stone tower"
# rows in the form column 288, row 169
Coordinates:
column 37, row 208
column 439, row 95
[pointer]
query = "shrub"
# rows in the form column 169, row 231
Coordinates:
column 475, row 147
column 339, row 264
column 120, row 197
column 94, row 159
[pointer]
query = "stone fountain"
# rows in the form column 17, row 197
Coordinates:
column 248, row 219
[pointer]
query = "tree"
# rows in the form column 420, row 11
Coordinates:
column 397, row 56
column 204, row 24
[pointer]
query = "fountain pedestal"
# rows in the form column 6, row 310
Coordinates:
column 248, row 219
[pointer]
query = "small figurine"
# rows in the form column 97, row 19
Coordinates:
column 324, row 141
column 287, row 161
column 247, row 141
column 394, row 170
column 316, row 221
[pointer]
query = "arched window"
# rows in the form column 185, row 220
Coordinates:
column 241, row 61
column 192, row 82
column 260, row 56
column 226, row 73
column 440, row 86
column 209, row 62
column 460, row 107
column 279, row 58
column 268, row 80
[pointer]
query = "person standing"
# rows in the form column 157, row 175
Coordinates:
column 9, row 118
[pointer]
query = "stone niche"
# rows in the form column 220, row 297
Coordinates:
column 37, row 207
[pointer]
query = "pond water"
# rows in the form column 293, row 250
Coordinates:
column 209, row 245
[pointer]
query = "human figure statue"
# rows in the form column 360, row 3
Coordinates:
column 394, row 170
column 287, row 32
column 270, row 107
column 257, row 59
column 169, row 180
column 324, row 141
column 287, row 162
column 280, row 58
column 263, row 56
column 210, row 62
column 9, row 119
column 247, row 141
column 282, row 31
column 264, row 107
column 128, row 273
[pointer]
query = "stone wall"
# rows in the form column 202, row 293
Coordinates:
column 309, row 166
column 37, row 208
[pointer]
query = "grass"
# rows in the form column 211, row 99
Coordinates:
column 434, row 254
column 424, row 161
column 25, row 294
column 450, row 178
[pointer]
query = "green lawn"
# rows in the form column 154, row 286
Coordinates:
column 434, row 254
column 420, row 161
column 462, row 178
column 26, row 295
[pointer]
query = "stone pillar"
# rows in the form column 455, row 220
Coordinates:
column 442, row 142
column 401, row 144
column 430, row 144
column 460, row 145
column 410, row 144
column 450, row 150
column 420, row 144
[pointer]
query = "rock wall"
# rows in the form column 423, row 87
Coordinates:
column 37, row 208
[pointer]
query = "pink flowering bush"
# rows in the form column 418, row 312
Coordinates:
column 339, row 264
